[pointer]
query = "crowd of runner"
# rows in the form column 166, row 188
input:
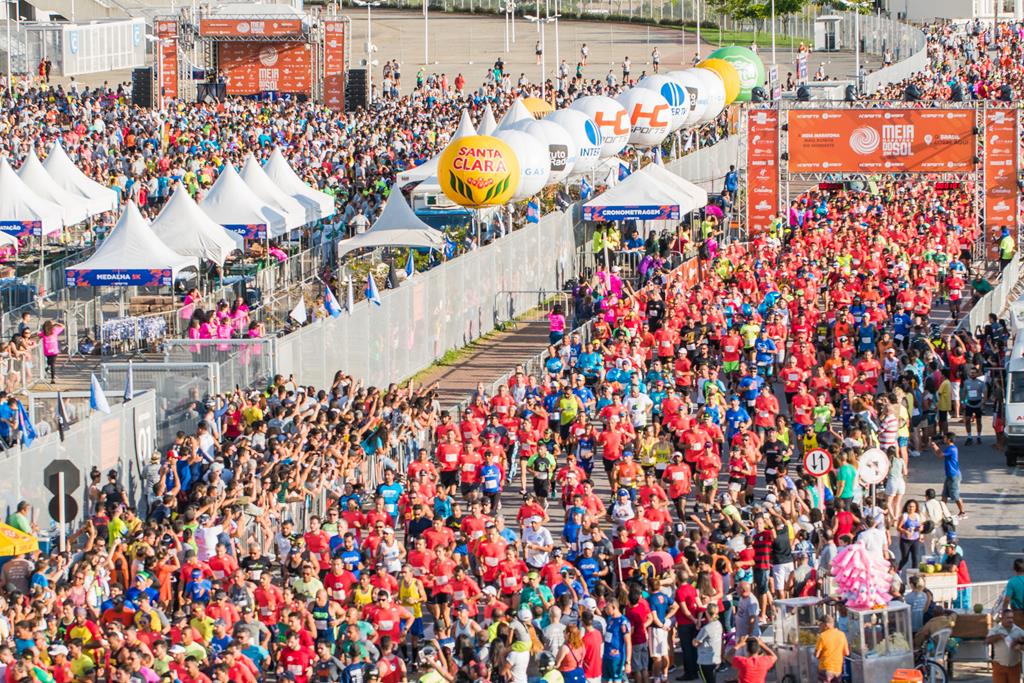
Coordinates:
column 631, row 514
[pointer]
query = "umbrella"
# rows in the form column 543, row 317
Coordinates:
column 538, row 107
column 14, row 542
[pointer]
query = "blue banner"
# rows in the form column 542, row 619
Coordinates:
column 118, row 278
column 256, row 231
column 668, row 212
column 22, row 228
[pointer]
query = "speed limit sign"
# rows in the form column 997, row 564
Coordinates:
column 817, row 462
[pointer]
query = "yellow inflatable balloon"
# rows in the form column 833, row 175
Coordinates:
column 727, row 72
column 478, row 170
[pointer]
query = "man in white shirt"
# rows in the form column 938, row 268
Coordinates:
column 538, row 542
column 1006, row 640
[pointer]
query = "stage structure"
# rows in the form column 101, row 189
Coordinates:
column 953, row 145
column 252, row 50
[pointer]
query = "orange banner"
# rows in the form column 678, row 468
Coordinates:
column 1000, row 176
column 259, row 28
column 762, row 168
column 167, row 35
column 334, row 65
column 881, row 140
column 252, row 68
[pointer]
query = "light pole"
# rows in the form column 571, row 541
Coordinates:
column 369, row 43
column 773, row 36
column 10, row 52
column 856, row 7
column 540, row 21
column 426, row 31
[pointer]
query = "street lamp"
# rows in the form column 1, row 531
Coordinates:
column 369, row 43
column 426, row 32
column 541, row 21
column 509, row 8
column 856, row 7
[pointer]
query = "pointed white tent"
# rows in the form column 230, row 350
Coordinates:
column 644, row 195
column 258, row 181
column 670, row 179
column 74, row 207
column 68, row 177
column 186, row 229
column 517, row 112
column 317, row 204
column 487, row 123
column 22, row 211
column 131, row 256
column 428, row 169
column 232, row 204
column 398, row 226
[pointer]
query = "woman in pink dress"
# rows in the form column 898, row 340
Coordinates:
column 189, row 308
column 51, row 346
column 224, row 330
column 240, row 315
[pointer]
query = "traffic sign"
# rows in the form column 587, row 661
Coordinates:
column 817, row 462
column 873, row 466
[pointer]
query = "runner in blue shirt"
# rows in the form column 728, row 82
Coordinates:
column 617, row 645
column 736, row 418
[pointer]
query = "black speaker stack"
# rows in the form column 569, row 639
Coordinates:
column 142, row 87
column 357, row 92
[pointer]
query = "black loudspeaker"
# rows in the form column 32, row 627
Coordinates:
column 803, row 94
column 758, row 94
column 1005, row 93
column 956, row 93
column 208, row 92
column 356, row 91
column 142, row 87
column 850, row 94
column 912, row 93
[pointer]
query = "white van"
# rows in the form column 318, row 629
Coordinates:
column 1014, row 399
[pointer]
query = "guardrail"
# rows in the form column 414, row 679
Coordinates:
column 994, row 301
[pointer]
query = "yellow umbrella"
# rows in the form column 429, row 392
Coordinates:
column 538, row 107
column 14, row 542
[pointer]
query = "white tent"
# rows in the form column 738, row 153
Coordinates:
column 428, row 169
column 398, row 226
column 641, row 196
column 487, row 124
column 318, row 205
column 20, row 205
column 233, row 204
column 74, row 207
column 68, row 177
column 517, row 112
column 131, row 255
column 264, row 188
column 670, row 179
column 186, row 229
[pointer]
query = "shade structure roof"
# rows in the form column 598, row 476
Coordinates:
column 131, row 255
column 644, row 195
column 256, row 178
column 318, row 205
column 74, row 207
column 232, row 203
column 69, row 177
column 186, row 229
column 22, row 211
column 397, row 226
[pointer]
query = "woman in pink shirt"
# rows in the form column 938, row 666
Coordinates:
column 556, row 324
column 51, row 346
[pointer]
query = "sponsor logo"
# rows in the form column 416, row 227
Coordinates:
column 865, row 140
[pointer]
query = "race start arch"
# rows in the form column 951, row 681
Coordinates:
column 948, row 143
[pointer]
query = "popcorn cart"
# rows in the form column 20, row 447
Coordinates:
column 880, row 642
column 796, row 632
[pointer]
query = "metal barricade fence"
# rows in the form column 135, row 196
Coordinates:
column 42, row 407
column 243, row 363
column 995, row 301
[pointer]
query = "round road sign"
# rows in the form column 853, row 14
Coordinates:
column 873, row 466
column 817, row 462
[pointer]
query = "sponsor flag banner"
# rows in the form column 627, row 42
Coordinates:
column 167, row 53
column 1001, row 162
column 665, row 212
column 242, row 28
column 253, row 231
column 156, row 277
column 334, row 65
column 882, row 140
column 762, row 168
column 22, row 228
column 252, row 68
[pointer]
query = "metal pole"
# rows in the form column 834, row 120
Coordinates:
column 696, row 11
column 773, row 36
column 506, row 26
column 558, row 55
column 543, row 57
column 369, row 52
column 10, row 83
column 856, row 39
column 426, row 32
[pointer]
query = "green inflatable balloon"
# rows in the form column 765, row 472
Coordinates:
column 747, row 64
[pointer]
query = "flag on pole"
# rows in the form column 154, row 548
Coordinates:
column 97, row 399
column 62, row 416
column 129, row 384
column 372, row 295
column 298, row 313
column 624, row 170
column 331, row 303
column 350, row 299
column 28, row 430
column 675, row 146
column 533, row 211
column 586, row 189
column 657, row 156
column 410, row 266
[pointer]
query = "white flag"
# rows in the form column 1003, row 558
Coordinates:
column 298, row 313
column 97, row 399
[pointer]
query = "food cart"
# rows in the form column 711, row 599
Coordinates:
column 880, row 642
column 796, row 632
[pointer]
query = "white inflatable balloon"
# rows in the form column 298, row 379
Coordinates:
column 650, row 117
column 611, row 119
column 534, row 162
column 716, row 93
column 585, row 135
column 674, row 93
column 560, row 146
column 696, row 93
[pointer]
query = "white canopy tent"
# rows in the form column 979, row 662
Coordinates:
column 232, row 204
column 186, row 229
column 428, row 169
column 68, row 177
column 22, row 211
column 398, row 226
column 74, row 207
column 644, row 195
column 264, row 188
column 667, row 177
column 487, row 123
column 517, row 112
column 131, row 255
column 318, row 205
